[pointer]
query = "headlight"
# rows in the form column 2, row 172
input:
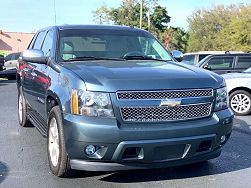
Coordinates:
column 91, row 103
column 221, row 99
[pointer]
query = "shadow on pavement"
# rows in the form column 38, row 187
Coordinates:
column 243, row 124
column 3, row 171
column 6, row 82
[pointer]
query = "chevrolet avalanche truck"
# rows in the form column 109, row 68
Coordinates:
column 112, row 98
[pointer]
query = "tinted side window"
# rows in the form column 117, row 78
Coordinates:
column 39, row 40
column 47, row 45
column 8, row 57
column 220, row 63
column 244, row 62
column 13, row 56
column 202, row 56
column 17, row 55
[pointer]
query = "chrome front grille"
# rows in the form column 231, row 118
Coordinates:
column 158, row 114
column 144, row 95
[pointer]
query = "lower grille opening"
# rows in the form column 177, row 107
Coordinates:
column 204, row 146
column 133, row 153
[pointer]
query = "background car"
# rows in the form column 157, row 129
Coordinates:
column 1, row 62
column 193, row 58
column 226, row 63
column 9, row 66
column 239, row 88
column 11, row 60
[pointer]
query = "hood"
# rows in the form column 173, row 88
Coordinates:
column 236, row 75
column 112, row 76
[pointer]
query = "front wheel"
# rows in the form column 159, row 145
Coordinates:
column 59, row 162
column 240, row 102
column 22, row 110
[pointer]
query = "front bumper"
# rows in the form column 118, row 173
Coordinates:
column 162, row 145
column 113, row 166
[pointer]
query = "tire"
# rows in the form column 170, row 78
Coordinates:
column 240, row 102
column 22, row 110
column 11, row 77
column 59, row 162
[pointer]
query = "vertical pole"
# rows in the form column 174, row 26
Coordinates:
column 149, row 21
column 100, row 19
column 141, row 14
column 55, row 14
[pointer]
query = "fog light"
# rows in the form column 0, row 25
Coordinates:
column 222, row 139
column 90, row 149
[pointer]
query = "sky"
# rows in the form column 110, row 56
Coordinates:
column 31, row 15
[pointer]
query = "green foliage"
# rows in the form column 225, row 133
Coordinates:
column 221, row 28
column 128, row 14
column 159, row 18
column 178, row 38
column 4, row 53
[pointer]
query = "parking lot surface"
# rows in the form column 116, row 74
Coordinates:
column 23, row 159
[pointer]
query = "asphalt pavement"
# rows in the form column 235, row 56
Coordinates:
column 23, row 160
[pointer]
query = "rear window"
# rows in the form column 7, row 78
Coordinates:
column 79, row 43
column 188, row 59
column 244, row 62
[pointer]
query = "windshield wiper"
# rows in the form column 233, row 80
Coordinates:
column 87, row 58
column 141, row 57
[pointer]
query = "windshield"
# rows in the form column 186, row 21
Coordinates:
column 248, row 70
column 107, row 43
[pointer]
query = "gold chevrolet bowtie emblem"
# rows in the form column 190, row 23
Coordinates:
column 170, row 103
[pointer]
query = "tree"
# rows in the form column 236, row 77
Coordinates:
column 220, row 28
column 160, row 18
column 101, row 15
column 128, row 13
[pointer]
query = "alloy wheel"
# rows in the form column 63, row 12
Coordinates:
column 240, row 103
column 20, row 108
column 53, row 142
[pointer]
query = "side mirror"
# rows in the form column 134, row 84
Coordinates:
column 177, row 55
column 34, row 56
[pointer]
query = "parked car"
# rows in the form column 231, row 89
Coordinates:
column 1, row 62
column 226, row 63
column 112, row 98
column 239, row 89
column 11, row 60
column 9, row 66
column 194, row 58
